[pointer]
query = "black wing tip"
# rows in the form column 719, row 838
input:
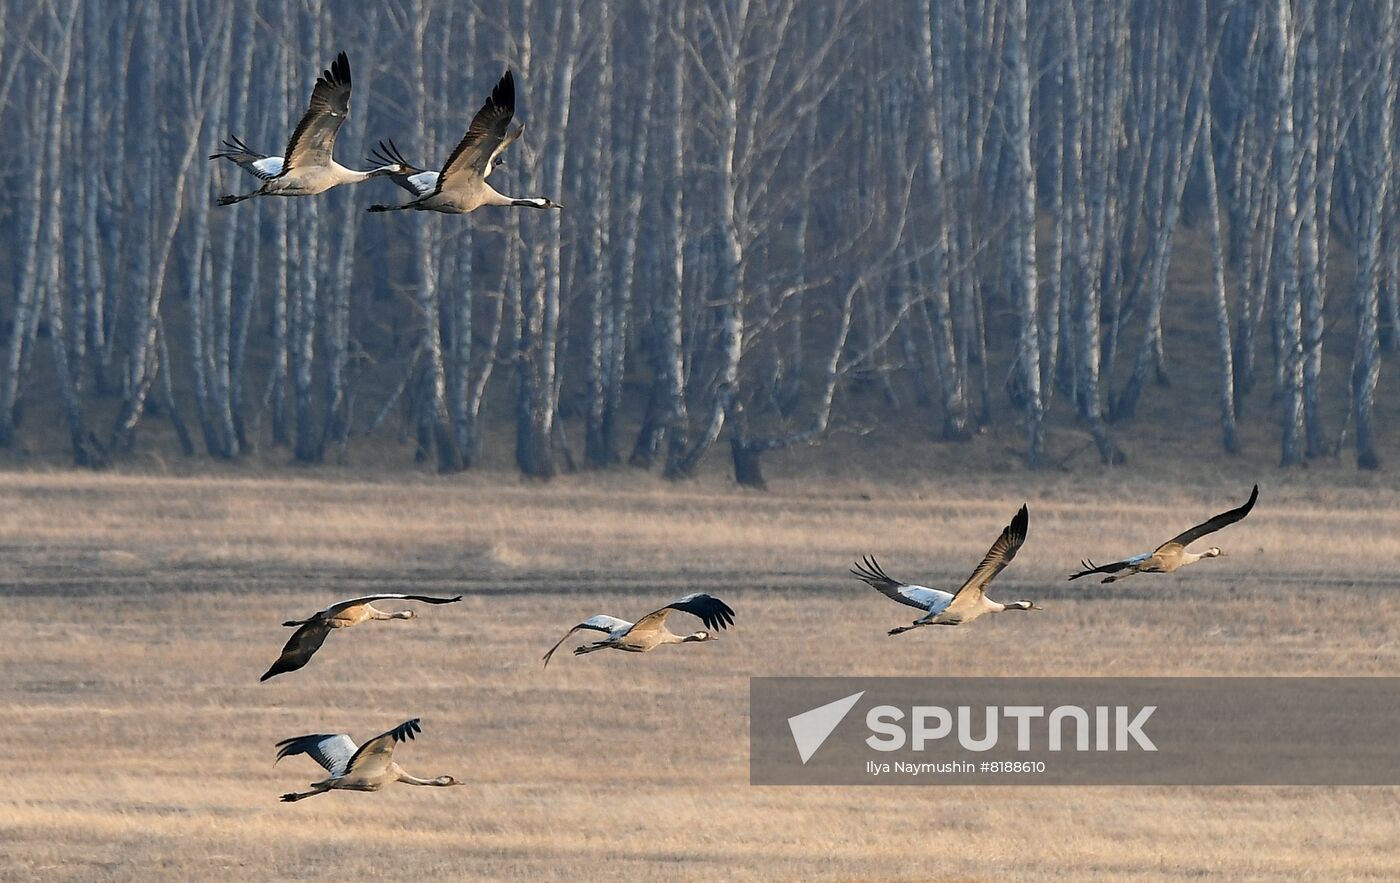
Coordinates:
column 869, row 570
column 280, row 667
column 721, row 616
column 297, row 744
column 1020, row 523
column 714, row 613
column 231, row 145
column 503, row 95
column 711, row 611
column 388, row 153
column 405, row 730
column 339, row 74
column 1087, row 567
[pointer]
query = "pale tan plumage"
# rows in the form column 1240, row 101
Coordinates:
column 968, row 602
column 650, row 631
column 367, row 768
column 461, row 185
column 313, row 630
column 308, row 164
column 1172, row 555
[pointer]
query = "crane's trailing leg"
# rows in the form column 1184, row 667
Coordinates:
column 317, row 788
column 230, row 199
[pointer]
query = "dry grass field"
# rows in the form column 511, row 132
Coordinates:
column 140, row 610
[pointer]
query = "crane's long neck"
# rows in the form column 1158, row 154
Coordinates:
column 414, row 780
column 1193, row 557
column 495, row 197
column 355, row 176
column 669, row 637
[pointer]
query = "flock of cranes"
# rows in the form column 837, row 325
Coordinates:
column 371, row 766
column 308, row 167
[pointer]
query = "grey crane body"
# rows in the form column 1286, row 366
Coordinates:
column 418, row 182
column 311, row 632
column 369, row 767
column 1172, row 555
column 650, row 632
column 461, row 185
column 307, row 166
column 970, row 601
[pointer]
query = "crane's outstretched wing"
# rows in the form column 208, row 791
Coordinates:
column 374, row 756
column 713, row 612
column 485, row 136
column 300, row 647
column 1090, row 567
column 342, row 606
column 997, row 557
column 995, row 561
column 259, row 165
column 418, row 182
column 331, row 750
column 1224, row 519
column 600, row 623
column 921, row 597
column 313, row 139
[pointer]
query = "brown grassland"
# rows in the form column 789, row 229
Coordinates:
column 140, row 610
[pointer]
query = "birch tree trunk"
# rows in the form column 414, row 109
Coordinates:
column 61, row 53
column 670, row 307
column 952, row 391
column 1312, row 285
column 1229, row 432
column 599, row 445
column 1024, row 279
column 1375, row 164
column 1286, row 166
column 434, row 393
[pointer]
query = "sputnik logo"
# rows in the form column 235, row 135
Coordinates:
column 811, row 728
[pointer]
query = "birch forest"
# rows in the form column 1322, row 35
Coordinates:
column 781, row 220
